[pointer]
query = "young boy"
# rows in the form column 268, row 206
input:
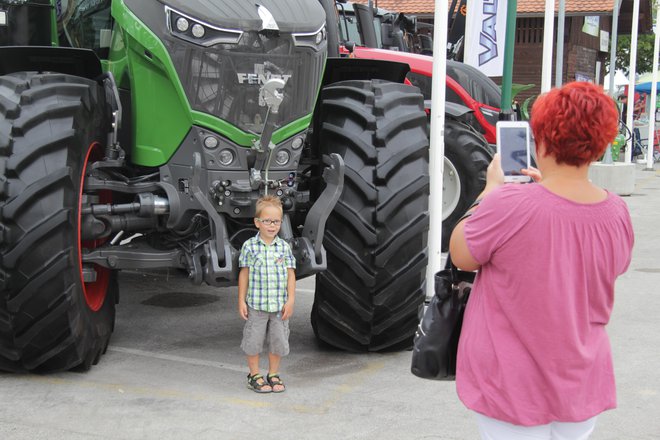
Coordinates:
column 266, row 293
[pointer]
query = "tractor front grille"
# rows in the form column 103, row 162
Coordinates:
column 224, row 80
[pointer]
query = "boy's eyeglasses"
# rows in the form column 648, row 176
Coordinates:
column 268, row 222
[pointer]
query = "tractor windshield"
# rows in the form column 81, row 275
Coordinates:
column 224, row 79
column 348, row 25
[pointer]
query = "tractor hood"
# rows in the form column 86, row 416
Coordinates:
column 225, row 51
column 294, row 16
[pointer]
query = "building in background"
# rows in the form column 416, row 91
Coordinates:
column 588, row 27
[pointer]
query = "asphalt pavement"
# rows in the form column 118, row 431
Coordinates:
column 174, row 370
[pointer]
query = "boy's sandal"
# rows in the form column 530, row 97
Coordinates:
column 274, row 380
column 254, row 385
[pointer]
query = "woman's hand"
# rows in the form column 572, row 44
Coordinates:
column 532, row 172
column 494, row 174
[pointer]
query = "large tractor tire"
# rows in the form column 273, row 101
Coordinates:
column 51, row 127
column 466, row 160
column 376, row 237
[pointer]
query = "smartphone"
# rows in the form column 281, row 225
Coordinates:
column 513, row 144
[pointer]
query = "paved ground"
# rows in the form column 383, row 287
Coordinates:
column 174, row 371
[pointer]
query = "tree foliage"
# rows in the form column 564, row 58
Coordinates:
column 644, row 53
column 644, row 50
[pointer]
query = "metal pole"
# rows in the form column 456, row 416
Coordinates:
column 507, row 71
column 437, row 147
column 615, row 29
column 613, row 44
column 631, row 77
column 559, row 67
column 549, row 24
column 654, row 93
column 450, row 16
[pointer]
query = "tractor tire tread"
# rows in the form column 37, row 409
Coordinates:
column 350, row 312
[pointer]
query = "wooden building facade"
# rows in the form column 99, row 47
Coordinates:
column 584, row 56
column 587, row 32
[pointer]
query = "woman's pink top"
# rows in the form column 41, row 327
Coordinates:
column 533, row 347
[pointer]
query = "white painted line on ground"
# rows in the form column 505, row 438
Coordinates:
column 185, row 360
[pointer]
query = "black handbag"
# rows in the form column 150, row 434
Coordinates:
column 436, row 340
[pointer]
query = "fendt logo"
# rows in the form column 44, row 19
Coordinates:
column 260, row 76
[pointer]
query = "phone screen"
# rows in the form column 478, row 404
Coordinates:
column 513, row 145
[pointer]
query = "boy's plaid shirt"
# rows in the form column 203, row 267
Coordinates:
column 267, row 272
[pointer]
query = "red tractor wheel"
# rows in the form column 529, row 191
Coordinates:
column 95, row 290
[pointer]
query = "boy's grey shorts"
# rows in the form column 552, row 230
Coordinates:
column 265, row 327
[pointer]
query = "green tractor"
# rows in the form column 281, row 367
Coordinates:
column 138, row 134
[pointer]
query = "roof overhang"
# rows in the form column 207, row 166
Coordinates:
column 535, row 8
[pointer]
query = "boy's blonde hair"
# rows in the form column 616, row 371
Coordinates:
column 264, row 201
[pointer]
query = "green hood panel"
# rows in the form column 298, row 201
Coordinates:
column 162, row 113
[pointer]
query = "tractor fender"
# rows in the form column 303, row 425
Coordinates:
column 453, row 110
column 82, row 63
column 457, row 111
column 71, row 61
column 344, row 69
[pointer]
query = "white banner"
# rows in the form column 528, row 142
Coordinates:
column 485, row 31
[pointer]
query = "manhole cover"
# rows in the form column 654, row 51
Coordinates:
column 176, row 300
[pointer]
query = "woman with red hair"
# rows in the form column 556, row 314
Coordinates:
column 534, row 360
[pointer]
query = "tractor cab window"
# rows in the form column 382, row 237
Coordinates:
column 379, row 30
column 88, row 24
column 348, row 28
column 25, row 23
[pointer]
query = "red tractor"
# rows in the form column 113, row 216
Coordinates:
column 466, row 86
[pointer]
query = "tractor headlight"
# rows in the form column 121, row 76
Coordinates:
column 182, row 24
column 226, row 157
column 198, row 31
column 314, row 39
column 282, row 157
column 297, row 143
column 211, row 142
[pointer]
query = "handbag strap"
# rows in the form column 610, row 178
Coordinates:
column 453, row 270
